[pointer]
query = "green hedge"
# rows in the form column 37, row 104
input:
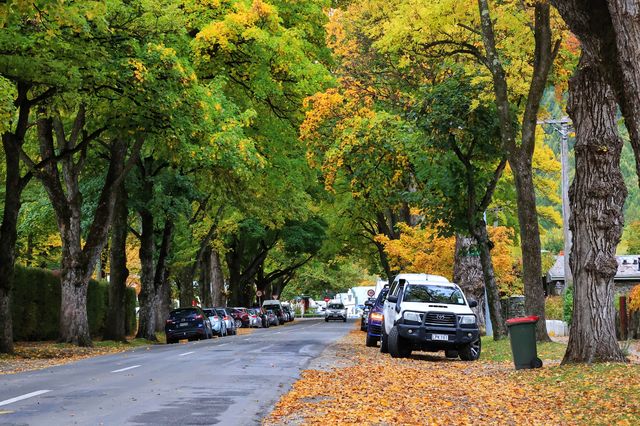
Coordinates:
column 36, row 305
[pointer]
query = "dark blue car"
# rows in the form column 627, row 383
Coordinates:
column 374, row 322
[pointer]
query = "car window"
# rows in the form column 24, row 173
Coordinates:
column 433, row 294
column 183, row 313
column 394, row 289
column 336, row 306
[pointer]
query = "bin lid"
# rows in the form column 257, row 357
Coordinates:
column 523, row 320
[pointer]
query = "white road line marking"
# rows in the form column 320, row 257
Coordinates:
column 222, row 344
column 186, row 353
column 125, row 369
column 246, row 339
column 21, row 397
column 279, row 332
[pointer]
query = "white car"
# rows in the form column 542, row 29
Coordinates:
column 427, row 312
column 335, row 311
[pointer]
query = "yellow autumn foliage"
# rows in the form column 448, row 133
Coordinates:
column 423, row 250
column 634, row 299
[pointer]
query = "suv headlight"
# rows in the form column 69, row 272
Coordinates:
column 412, row 317
column 466, row 319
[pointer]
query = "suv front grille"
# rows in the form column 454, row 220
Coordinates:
column 440, row 319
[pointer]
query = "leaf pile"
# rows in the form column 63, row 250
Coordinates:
column 37, row 355
column 430, row 389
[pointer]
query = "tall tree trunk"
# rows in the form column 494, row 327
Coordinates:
column 206, row 297
column 164, row 304
column 598, row 193
column 217, row 280
column 161, row 284
column 78, row 260
column 14, row 185
column 493, row 294
column 467, row 272
column 147, row 297
column 534, row 301
column 8, row 236
column 184, row 280
column 115, row 328
column 520, row 156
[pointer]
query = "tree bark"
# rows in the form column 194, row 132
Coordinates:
column 115, row 328
column 184, row 280
column 598, row 193
column 534, row 301
column 206, row 297
column 161, row 283
column 467, row 273
column 493, row 293
column 217, row 280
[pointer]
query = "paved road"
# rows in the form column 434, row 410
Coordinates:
column 235, row 380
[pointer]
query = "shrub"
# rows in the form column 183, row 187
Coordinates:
column 36, row 305
column 568, row 305
column 634, row 299
column 554, row 308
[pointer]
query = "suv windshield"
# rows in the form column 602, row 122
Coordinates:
column 182, row 313
column 336, row 306
column 433, row 294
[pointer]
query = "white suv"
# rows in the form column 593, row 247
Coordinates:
column 427, row 312
column 335, row 311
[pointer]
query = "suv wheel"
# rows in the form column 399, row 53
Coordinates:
column 371, row 341
column 238, row 323
column 398, row 347
column 384, row 341
column 471, row 351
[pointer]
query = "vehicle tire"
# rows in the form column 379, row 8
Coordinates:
column 171, row 341
column 384, row 341
column 398, row 346
column 371, row 341
column 344, row 320
column 471, row 351
column 326, row 320
column 277, row 322
column 238, row 324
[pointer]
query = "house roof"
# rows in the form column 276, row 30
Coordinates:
column 628, row 268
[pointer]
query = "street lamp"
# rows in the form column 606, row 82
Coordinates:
column 563, row 127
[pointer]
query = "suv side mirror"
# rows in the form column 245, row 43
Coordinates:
column 473, row 303
column 367, row 303
column 399, row 299
column 392, row 299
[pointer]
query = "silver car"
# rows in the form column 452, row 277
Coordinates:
column 218, row 324
column 228, row 320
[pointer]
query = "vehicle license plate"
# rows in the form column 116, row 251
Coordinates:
column 184, row 324
column 439, row 337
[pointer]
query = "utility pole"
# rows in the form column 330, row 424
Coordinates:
column 563, row 127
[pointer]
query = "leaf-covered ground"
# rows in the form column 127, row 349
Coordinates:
column 373, row 388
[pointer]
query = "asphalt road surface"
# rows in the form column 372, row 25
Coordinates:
column 235, row 380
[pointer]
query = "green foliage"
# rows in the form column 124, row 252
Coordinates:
column 36, row 305
column 567, row 306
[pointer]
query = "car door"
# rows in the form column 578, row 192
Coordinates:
column 389, row 310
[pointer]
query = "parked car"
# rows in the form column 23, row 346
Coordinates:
column 187, row 323
column 218, row 325
column 364, row 316
column 335, row 311
column 228, row 320
column 374, row 320
column 272, row 319
column 255, row 318
column 427, row 312
column 241, row 317
column 289, row 311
